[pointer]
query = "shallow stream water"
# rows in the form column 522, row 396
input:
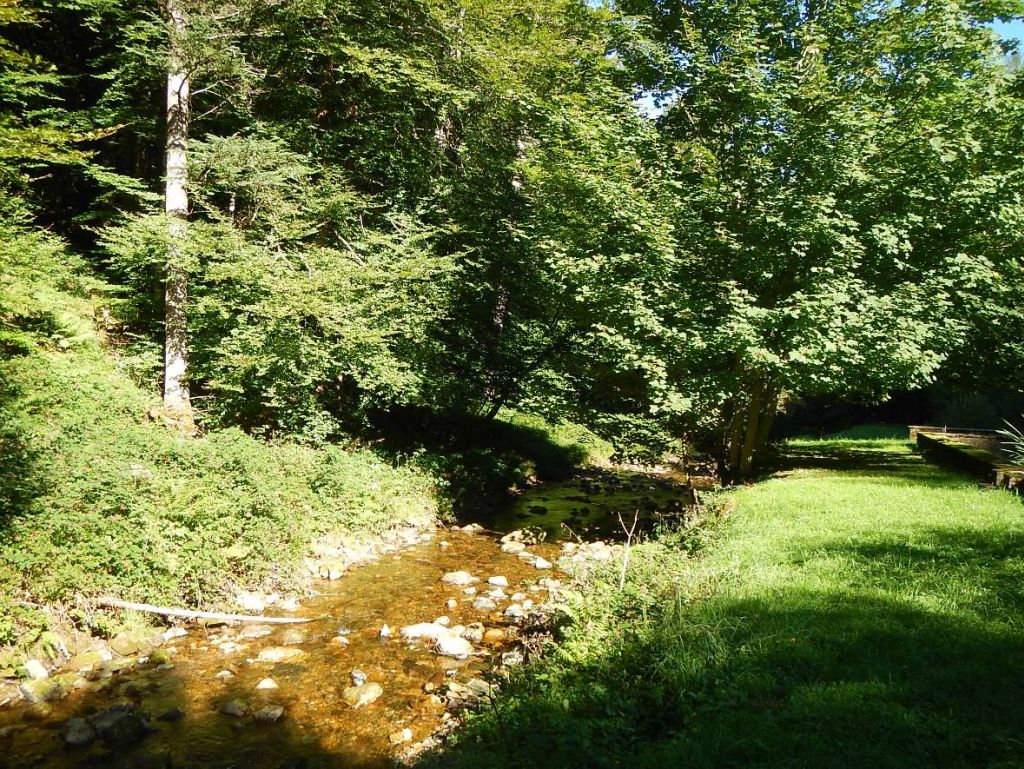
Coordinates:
column 200, row 706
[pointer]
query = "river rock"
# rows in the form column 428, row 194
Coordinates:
column 451, row 603
column 512, row 658
column 519, row 597
column 41, row 690
column 174, row 632
column 484, row 604
column 362, row 695
column 269, row 714
column 496, row 594
column 431, row 630
column 252, row 632
column 288, row 604
column 498, row 581
column 473, row 632
column 459, row 578
column 126, row 644
column 236, row 708
column 77, row 732
column 493, row 635
column 513, row 547
column 293, row 636
column 542, row 563
column 443, row 620
column 515, row 611
column 358, row 677
column 401, row 736
column 267, row 683
column 224, row 675
column 119, row 726
column 89, row 659
column 385, row 631
column 36, row 670
column 274, row 654
column 453, row 646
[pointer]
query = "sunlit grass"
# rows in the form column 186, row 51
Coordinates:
column 859, row 607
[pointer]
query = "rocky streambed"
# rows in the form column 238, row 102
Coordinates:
column 403, row 635
column 395, row 649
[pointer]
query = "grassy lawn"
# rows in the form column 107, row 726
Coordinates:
column 858, row 608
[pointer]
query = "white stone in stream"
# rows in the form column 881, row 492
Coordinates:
column 518, row 597
column 453, row 646
column 550, row 584
column 340, row 640
column 36, row 670
column 528, row 604
column 474, row 632
column 401, row 736
column 269, row 714
column 515, row 611
column 431, row 630
column 484, row 604
column 255, row 631
column 472, row 528
column 230, row 647
column 426, row 537
column 451, row 603
column 459, row 578
column 363, row 694
column 267, row 683
column 234, row 708
column 225, row 675
column 278, row 654
column 541, row 563
column 385, row 631
column 173, row 632
column 445, row 544
column 496, row 594
column 569, row 547
column 470, row 591
column 442, row 620
column 513, row 547
column 498, row 581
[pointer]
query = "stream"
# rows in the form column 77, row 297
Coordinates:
column 345, row 689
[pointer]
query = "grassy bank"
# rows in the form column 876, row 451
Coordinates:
column 857, row 608
column 98, row 496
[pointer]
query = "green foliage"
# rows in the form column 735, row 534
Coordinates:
column 99, row 497
column 1014, row 442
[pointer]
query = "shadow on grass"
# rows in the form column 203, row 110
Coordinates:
column 891, row 653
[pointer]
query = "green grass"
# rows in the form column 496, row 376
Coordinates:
column 857, row 608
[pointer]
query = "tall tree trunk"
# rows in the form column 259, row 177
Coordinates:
column 176, row 394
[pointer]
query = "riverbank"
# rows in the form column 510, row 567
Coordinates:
column 857, row 607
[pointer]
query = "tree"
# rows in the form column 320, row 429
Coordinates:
column 824, row 150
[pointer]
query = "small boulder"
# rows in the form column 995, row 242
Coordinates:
column 459, row 578
column 498, row 581
column 41, row 690
column 362, row 695
column 276, row 654
column 266, row 684
column 513, row 547
column 235, row 708
column 431, row 630
column 36, row 670
column 252, row 632
column 542, row 563
column 293, row 636
column 453, row 646
column 269, row 714
column 484, row 604
column 77, row 732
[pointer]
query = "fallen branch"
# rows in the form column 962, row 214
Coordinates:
column 192, row 614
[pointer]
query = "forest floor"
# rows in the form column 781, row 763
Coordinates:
column 856, row 607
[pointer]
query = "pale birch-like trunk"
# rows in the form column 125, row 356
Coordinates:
column 176, row 394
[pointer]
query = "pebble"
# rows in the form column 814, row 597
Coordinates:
column 293, row 636
column 234, row 708
column 497, row 594
column 362, row 695
column 268, row 714
column 519, row 597
column 340, row 640
column 484, row 604
column 454, row 646
column 470, row 591
column 513, row 547
column 385, row 632
column 459, row 578
column 255, row 631
column 515, row 611
column 224, row 675
column 401, row 736
column 77, row 732
column 451, row 603
column 446, row 621
column 498, row 581
column 253, row 602
column 267, row 683
column 431, row 630
column 358, row 677
column 278, row 654
column 173, row 632
column 288, row 604
column 542, row 563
